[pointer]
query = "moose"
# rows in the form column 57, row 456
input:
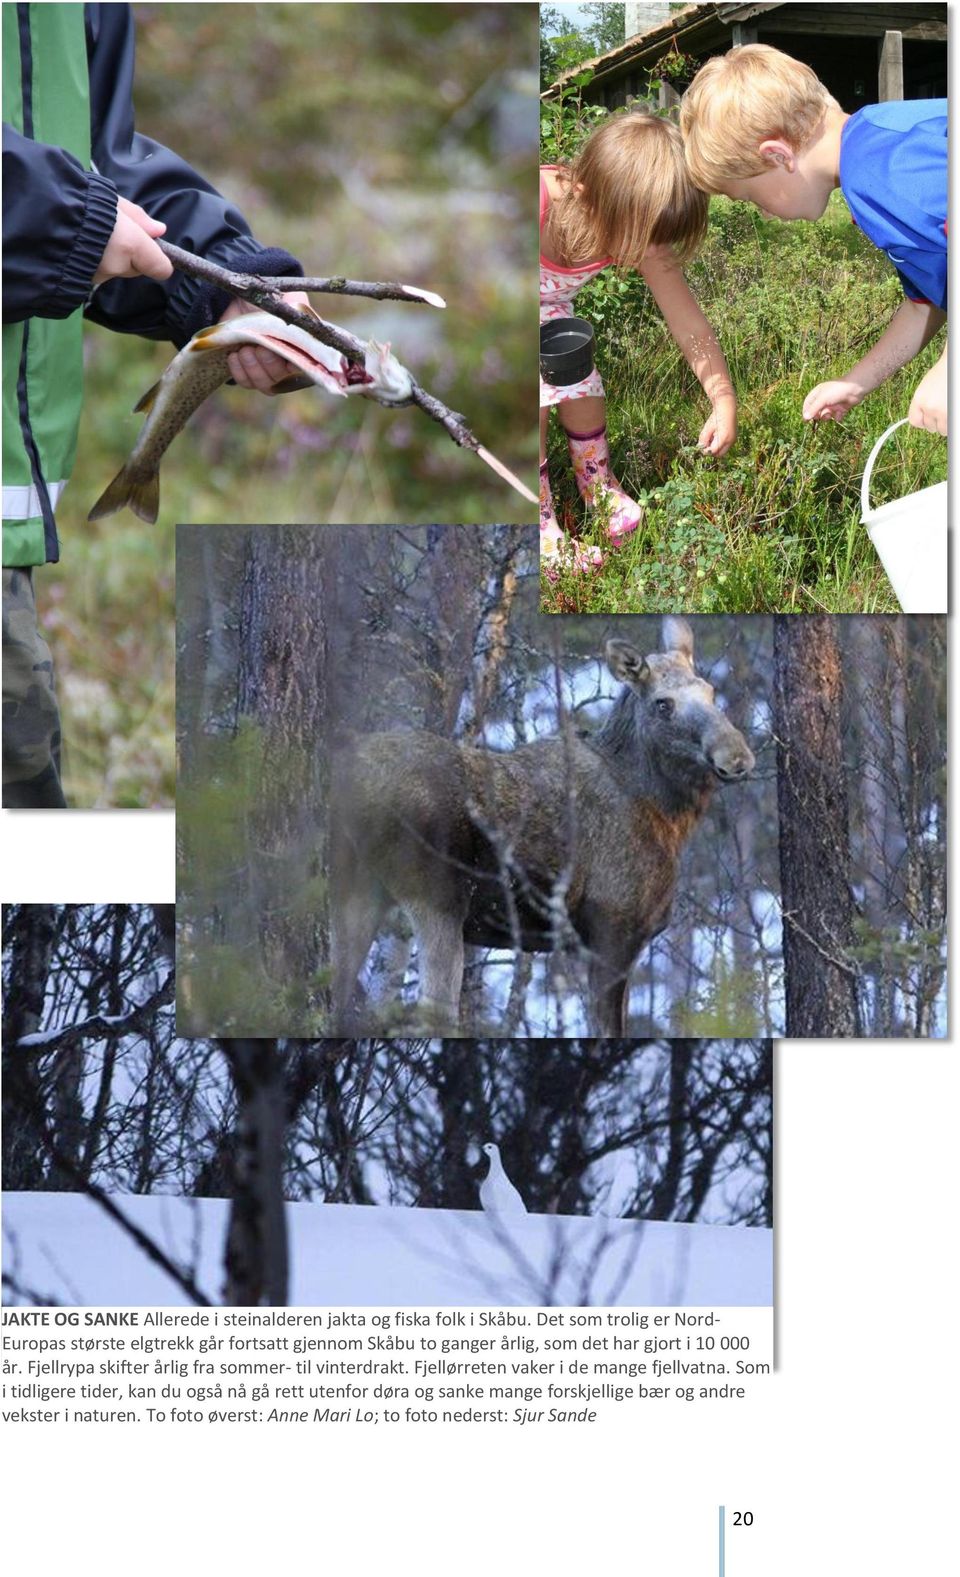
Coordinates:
column 571, row 840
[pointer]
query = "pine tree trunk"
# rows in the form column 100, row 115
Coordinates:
column 256, row 1259
column 464, row 1120
column 821, row 980
column 31, row 948
column 282, row 693
column 925, row 874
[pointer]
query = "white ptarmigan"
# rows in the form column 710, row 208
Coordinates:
column 497, row 1194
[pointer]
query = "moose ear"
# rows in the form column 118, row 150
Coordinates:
column 678, row 637
column 626, row 663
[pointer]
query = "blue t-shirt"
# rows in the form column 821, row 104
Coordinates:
column 893, row 174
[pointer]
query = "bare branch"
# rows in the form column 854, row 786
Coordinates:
column 145, row 1243
column 332, row 285
column 263, row 293
column 28, row 1294
column 99, row 1026
column 372, row 290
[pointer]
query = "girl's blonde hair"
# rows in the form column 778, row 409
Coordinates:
column 627, row 190
column 741, row 99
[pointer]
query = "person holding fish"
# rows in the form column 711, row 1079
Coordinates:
column 625, row 201
column 85, row 199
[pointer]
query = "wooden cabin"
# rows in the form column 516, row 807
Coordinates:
column 863, row 54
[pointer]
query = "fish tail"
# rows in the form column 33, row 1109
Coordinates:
column 139, row 493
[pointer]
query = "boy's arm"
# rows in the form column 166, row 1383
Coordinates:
column 928, row 408
column 64, row 230
column 195, row 214
column 912, row 326
column 699, row 345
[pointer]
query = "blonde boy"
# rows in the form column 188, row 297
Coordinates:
column 760, row 127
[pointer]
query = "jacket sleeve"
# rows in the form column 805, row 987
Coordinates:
column 196, row 216
column 57, row 219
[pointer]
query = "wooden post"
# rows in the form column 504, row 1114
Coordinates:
column 668, row 98
column 891, row 67
column 742, row 33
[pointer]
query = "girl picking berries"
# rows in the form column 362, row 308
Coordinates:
column 626, row 201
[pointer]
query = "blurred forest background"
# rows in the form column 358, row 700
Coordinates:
column 287, row 637
column 99, row 1096
column 377, row 141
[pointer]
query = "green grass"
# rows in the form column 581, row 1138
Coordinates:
column 775, row 525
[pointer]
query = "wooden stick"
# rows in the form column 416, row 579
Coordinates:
column 330, row 285
column 262, row 293
column 336, row 285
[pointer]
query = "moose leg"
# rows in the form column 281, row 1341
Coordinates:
column 440, row 945
column 607, row 1010
column 608, row 981
column 357, row 914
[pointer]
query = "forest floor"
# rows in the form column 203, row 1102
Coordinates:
column 775, row 525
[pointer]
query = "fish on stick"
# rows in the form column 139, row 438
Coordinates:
column 201, row 367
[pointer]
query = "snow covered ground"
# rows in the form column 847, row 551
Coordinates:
column 64, row 1247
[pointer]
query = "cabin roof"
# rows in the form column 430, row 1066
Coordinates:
column 701, row 29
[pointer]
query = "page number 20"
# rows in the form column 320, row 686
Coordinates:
column 743, row 1519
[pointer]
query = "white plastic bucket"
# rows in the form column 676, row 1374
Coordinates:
column 910, row 535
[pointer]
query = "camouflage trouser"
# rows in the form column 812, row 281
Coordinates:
column 31, row 717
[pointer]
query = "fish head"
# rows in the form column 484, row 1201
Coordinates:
column 387, row 381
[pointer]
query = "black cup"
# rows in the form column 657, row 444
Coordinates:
column 566, row 350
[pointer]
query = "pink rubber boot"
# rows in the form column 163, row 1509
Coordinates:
column 555, row 550
column 591, row 467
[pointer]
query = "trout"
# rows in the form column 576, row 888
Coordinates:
column 201, row 367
